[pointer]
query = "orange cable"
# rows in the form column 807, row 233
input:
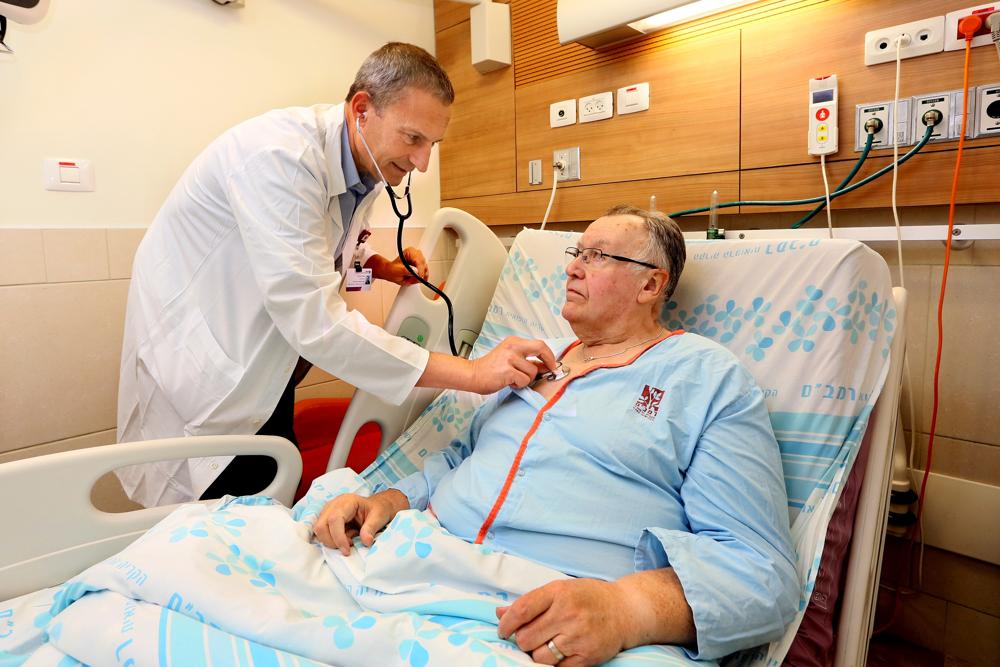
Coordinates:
column 968, row 26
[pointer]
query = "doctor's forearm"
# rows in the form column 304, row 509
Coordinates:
column 660, row 611
column 444, row 371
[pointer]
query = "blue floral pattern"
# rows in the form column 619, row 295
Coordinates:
column 799, row 328
column 238, row 562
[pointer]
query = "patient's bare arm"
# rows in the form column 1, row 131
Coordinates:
column 349, row 515
column 591, row 620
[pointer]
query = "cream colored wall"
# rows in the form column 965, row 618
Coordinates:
column 140, row 87
column 63, row 294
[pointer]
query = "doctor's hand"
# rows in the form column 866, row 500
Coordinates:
column 349, row 515
column 586, row 619
column 394, row 271
column 509, row 365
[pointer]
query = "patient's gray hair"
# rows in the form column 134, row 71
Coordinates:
column 388, row 71
column 664, row 246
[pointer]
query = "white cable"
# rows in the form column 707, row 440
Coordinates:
column 552, row 197
column 826, row 185
column 895, row 164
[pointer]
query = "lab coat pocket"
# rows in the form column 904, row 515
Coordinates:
column 191, row 368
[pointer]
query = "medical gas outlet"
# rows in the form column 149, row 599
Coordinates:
column 988, row 105
column 823, row 115
column 568, row 163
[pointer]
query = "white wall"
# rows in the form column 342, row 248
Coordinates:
column 141, row 86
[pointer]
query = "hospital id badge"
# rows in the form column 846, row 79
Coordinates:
column 359, row 280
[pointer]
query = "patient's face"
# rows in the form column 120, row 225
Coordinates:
column 598, row 295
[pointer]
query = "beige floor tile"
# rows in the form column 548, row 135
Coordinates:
column 986, row 252
column 969, row 394
column 966, row 581
column 122, row 244
column 917, row 321
column 106, row 437
column 335, row 389
column 59, row 363
column 22, row 256
column 383, row 240
column 972, row 636
column 921, row 253
column 959, row 458
column 75, row 254
column 921, row 620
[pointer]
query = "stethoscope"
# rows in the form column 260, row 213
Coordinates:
column 393, row 198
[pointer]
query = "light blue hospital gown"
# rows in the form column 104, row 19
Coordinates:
column 667, row 461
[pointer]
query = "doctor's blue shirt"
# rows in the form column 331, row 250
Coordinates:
column 666, row 461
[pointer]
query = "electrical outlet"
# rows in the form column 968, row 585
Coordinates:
column 570, row 158
column 988, row 107
column 596, row 107
column 920, row 38
column 924, row 103
column 954, row 40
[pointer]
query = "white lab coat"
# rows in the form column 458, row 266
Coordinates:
column 235, row 280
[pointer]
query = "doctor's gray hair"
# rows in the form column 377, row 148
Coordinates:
column 664, row 246
column 388, row 71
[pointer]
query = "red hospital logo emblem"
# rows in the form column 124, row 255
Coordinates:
column 648, row 404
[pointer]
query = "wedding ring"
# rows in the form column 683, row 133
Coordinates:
column 559, row 655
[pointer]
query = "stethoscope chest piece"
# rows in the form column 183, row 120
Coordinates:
column 561, row 371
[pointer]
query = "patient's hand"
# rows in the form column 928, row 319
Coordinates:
column 349, row 515
column 585, row 618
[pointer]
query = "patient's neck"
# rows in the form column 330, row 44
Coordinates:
column 618, row 336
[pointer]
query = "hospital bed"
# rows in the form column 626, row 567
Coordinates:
column 817, row 323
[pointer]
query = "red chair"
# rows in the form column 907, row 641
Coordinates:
column 317, row 421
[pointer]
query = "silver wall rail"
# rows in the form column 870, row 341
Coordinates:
column 885, row 233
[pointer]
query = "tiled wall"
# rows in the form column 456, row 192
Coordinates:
column 62, row 304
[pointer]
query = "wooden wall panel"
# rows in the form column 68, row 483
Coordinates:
column 780, row 56
column 477, row 154
column 588, row 203
column 924, row 180
column 539, row 56
column 447, row 14
column 691, row 127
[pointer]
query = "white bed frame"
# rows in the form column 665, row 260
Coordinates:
column 51, row 530
column 50, row 527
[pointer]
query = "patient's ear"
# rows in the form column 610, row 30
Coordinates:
column 654, row 286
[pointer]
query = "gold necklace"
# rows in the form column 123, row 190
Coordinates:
column 588, row 359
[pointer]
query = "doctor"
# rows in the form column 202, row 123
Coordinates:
column 236, row 286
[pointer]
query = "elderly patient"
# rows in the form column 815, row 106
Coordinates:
column 645, row 467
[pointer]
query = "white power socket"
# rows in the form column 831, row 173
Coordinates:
column 920, row 38
column 596, row 107
column 953, row 40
